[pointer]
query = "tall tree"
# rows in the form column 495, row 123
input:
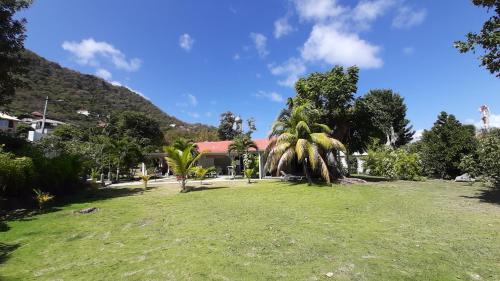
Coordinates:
column 443, row 146
column 488, row 39
column 295, row 138
column 381, row 114
column 12, row 35
column 227, row 130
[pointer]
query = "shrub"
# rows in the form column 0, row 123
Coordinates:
column 393, row 163
column 42, row 198
column 16, row 174
column 485, row 162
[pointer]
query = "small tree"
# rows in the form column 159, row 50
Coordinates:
column 145, row 179
column 249, row 172
column 201, row 172
column 181, row 163
column 42, row 198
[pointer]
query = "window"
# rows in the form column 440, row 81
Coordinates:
column 11, row 124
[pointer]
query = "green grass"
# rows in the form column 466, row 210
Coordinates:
column 432, row 230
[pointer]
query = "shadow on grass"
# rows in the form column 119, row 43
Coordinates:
column 369, row 178
column 5, row 250
column 489, row 195
column 206, row 188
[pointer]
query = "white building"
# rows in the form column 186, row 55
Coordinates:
column 8, row 123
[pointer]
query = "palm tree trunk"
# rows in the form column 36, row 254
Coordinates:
column 306, row 172
column 183, row 185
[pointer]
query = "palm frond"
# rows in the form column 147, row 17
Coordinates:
column 322, row 140
column 338, row 145
column 323, row 128
column 312, row 155
column 286, row 159
column 324, row 170
column 302, row 128
column 300, row 149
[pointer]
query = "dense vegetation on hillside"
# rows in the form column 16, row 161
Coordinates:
column 86, row 92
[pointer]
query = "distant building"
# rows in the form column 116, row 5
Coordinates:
column 8, row 123
column 83, row 112
column 36, row 122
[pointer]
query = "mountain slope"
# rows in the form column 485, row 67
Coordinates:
column 79, row 91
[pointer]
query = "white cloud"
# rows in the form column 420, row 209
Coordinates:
column 116, row 83
column 260, row 43
column 408, row 50
column 186, row 42
column 88, row 52
column 192, row 100
column 318, row 10
column 282, row 27
column 291, row 69
column 367, row 11
column 208, row 114
column 407, row 17
column 103, row 73
column 236, row 56
column 328, row 43
column 272, row 96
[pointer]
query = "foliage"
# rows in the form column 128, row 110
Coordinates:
column 485, row 161
column 443, row 146
column 42, row 198
column 200, row 172
column 296, row 139
column 227, row 129
column 181, row 163
column 145, row 179
column 249, row 173
column 381, row 114
column 182, row 144
column 16, row 174
column 354, row 120
column 488, row 39
column 12, row 34
column 241, row 145
column 394, row 163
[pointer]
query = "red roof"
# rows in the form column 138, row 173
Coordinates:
column 221, row 146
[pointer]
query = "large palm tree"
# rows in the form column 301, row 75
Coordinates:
column 181, row 162
column 241, row 145
column 295, row 138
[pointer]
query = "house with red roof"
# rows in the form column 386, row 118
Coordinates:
column 216, row 155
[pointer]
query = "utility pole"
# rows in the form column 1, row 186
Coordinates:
column 44, row 113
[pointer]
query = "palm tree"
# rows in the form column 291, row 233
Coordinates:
column 294, row 137
column 241, row 145
column 182, row 143
column 181, row 162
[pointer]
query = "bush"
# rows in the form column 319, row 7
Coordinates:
column 393, row 163
column 16, row 175
column 485, row 162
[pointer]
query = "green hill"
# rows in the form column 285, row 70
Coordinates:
column 79, row 91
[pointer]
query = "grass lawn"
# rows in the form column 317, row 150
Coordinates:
column 432, row 230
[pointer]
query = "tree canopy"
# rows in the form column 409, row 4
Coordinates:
column 12, row 34
column 443, row 146
column 488, row 39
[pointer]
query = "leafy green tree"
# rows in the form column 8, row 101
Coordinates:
column 296, row 138
column 488, row 39
column 485, row 161
column 381, row 114
column 227, row 130
column 12, row 34
column 443, row 146
column 181, row 163
column 137, row 125
column 241, row 145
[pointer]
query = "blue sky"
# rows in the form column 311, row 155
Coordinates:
column 197, row 59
